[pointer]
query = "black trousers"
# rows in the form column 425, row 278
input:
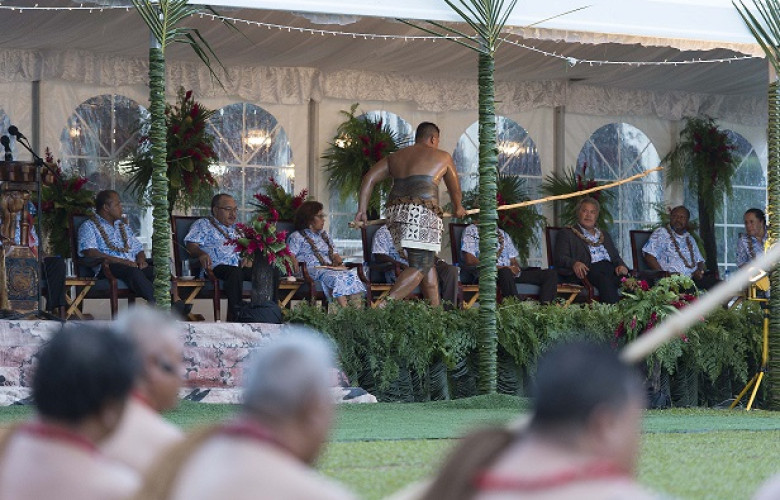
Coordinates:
column 602, row 276
column 546, row 279
column 53, row 269
column 233, row 278
column 139, row 281
column 448, row 284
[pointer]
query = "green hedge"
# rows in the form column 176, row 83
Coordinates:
column 412, row 352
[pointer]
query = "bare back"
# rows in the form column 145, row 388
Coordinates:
column 420, row 160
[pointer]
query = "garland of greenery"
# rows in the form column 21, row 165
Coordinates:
column 359, row 143
column 402, row 360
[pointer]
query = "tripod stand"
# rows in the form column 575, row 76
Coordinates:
column 755, row 382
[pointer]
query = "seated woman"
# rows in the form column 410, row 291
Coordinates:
column 751, row 243
column 311, row 244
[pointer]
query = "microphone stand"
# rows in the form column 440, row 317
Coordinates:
column 20, row 139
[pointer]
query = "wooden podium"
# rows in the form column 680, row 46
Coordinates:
column 19, row 264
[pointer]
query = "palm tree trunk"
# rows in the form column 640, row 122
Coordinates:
column 161, row 236
column 773, row 212
column 488, row 161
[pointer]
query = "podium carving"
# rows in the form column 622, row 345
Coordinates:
column 19, row 264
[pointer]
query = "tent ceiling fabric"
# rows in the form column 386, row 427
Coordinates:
column 655, row 19
column 121, row 33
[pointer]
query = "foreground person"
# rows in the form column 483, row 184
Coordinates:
column 414, row 217
column 80, row 386
column 267, row 451
column 143, row 435
column 582, row 441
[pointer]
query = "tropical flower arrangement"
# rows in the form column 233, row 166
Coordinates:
column 647, row 306
column 66, row 196
column 276, row 203
column 190, row 154
column 572, row 181
column 521, row 224
column 259, row 240
column 359, row 143
column 704, row 158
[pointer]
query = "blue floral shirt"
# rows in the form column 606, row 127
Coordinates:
column 743, row 248
column 597, row 253
column 334, row 282
column 470, row 244
column 90, row 237
column 212, row 241
column 383, row 244
column 661, row 246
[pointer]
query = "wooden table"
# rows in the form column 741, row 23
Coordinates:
column 82, row 287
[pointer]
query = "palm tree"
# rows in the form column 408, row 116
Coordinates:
column 487, row 18
column 766, row 30
column 163, row 17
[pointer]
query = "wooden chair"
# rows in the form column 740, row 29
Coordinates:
column 571, row 290
column 638, row 239
column 89, row 286
column 197, row 287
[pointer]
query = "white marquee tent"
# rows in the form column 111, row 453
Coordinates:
column 647, row 63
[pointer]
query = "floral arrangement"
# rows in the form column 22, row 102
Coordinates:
column 646, row 307
column 66, row 196
column 520, row 223
column 705, row 158
column 359, row 143
column 259, row 239
column 276, row 203
column 572, row 181
column 190, row 154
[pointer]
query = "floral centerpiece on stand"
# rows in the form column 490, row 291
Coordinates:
column 359, row 143
column 572, row 181
column 66, row 196
column 259, row 241
column 521, row 224
column 704, row 158
column 190, row 154
column 276, row 203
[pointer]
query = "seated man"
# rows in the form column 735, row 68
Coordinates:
column 384, row 251
column 672, row 249
column 105, row 237
column 585, row 251
column 143, row 435
column 509, row 271
column 82, row 380
column 207, row 241
column 582, row 440
column 267, row 451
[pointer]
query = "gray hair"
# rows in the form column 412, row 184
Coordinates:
column 148, row 328
column 287, row 373
column 587, row 199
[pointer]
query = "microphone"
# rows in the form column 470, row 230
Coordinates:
column 6, row 142
column 14, row 131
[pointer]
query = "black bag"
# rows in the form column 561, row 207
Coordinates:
column 265, row 312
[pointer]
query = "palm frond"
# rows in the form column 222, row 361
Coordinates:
column 768, row 38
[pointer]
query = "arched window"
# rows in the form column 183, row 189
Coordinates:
column 517, row 156
column 341, row 213
column 749, row 185
column 252, row 147
column 616, row 151
column 98, row 137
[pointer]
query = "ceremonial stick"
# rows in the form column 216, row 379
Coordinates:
column 679, row 322
column 536, row 202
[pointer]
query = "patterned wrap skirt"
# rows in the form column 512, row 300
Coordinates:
column 414, row 225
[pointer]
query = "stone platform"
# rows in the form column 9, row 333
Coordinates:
column 214, row 358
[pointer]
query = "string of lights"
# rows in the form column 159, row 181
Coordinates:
column 570, row 60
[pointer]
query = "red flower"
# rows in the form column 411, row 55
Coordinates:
column 366, row 152
column 274, row 216
column 195, row 110
column 264, row 199
column 365, row 139
column 296, row 202
column 643, row 285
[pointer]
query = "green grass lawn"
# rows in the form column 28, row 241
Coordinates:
column 377, row 449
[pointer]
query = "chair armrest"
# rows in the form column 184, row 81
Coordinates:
column 360, row 272
column 107, row 271
column 305, row 273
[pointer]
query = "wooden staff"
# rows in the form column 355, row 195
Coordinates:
column 676, row 324
column 540, row 200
